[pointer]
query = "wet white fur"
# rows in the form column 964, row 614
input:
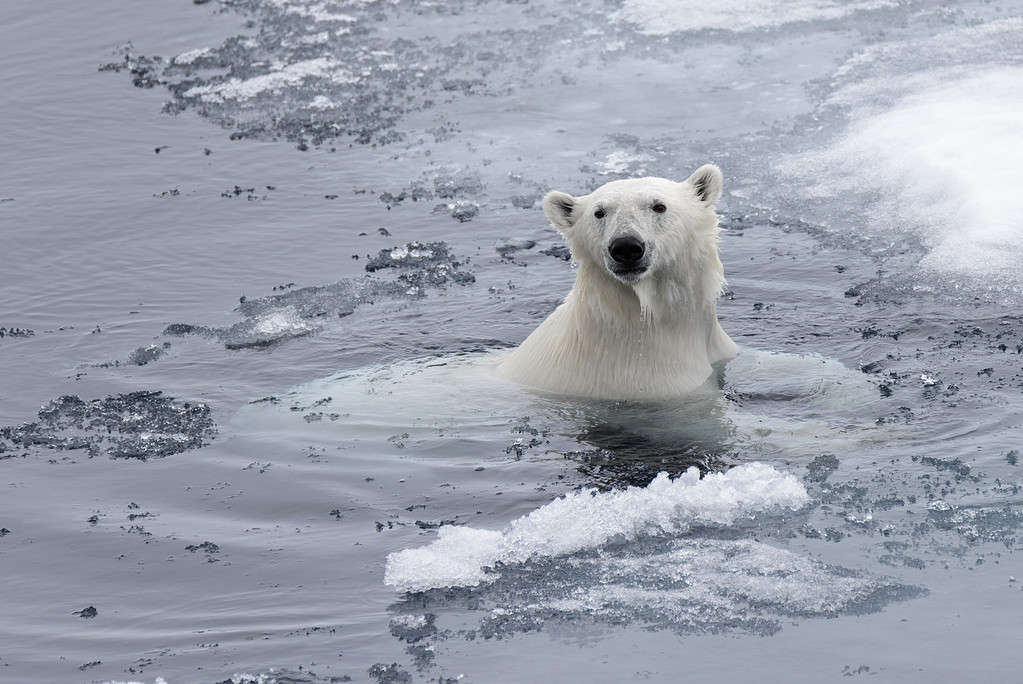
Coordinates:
column 654, row 338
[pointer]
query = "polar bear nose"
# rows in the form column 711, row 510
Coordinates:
column 626, row 250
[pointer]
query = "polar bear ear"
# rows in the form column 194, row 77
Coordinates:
column 560, row 208
column 706, row 182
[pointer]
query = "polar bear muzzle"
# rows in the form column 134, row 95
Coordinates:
column 628, row 256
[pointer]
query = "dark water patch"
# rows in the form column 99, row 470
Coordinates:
column 633, row 466
column 628, row 444
column 139, row 425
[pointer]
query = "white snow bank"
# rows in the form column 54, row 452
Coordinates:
column 588, row 519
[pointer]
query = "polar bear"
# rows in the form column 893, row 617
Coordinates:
column 641, row 320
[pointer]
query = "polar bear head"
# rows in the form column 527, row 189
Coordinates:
column 657, row 236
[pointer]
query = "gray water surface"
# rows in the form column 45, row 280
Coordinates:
column 207, row 204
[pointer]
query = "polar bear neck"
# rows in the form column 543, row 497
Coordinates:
column 610, row 340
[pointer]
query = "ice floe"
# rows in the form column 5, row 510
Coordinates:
column 587, row 519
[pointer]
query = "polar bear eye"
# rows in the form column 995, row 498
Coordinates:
column 599, row 213
column 659, row 207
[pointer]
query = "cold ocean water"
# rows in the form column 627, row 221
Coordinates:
column 258, row 253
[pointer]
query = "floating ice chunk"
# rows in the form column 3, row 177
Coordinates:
column 462, row 556
column 928, row 380
column 459, row 557
column 661, row 17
